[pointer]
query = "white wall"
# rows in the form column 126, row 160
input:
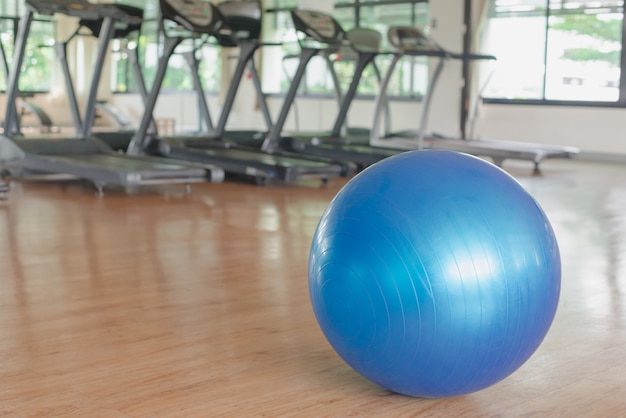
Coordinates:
column 590, row 129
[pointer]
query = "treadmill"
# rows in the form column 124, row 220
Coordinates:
column 410, row 41
column 363, row 45
column 324, row 35
column 117, row 139
column 243, row 19
column 85, row 157
column 199, row 18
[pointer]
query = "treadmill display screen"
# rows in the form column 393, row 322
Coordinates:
column 69, row 7
column 80, row 8
column 192, row 14
column 320, row 26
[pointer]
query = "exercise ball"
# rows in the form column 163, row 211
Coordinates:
column 434, row 274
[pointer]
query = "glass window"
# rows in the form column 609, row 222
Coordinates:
column 583, row 55
column 280, row 4
column 516, row 36
column 555, row 49
column 280, row 61
column 6, row 42
column 11, row 8
column 346, row 17
column 38, row 59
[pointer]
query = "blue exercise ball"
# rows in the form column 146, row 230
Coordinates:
column 434, row 274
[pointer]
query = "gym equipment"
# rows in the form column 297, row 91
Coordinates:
column 122, row 121
column 27, row 108
column 117, row 139
column 410, row 41
column 203, row 18
column 365, row 45
column 361, row 46
column 84, row 157
column 243, row 18
column 434, row 274
column 321, row 34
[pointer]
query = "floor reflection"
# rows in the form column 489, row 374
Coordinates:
column 585, row 202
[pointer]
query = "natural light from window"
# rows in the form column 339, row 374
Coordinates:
column 555, row 50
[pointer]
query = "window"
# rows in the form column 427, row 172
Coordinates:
column 11, row 8
column 38, row 59
column 410, row 78
column 555, row 50
column 6, row 50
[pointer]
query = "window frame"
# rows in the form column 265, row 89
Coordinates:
column 619, row 103
column 15, row 20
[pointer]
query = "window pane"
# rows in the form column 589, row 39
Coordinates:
column 515, row 34
column 422, row 15
column 279, row 4
column 210, row 68
column 122, row 78
column 11, row 8
column 6, row 37
column 584, row 50
column 582, row 60
column 346, row 17
column 278, row 27
column 38, row 59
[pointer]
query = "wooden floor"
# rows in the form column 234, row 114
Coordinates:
column 172, row 305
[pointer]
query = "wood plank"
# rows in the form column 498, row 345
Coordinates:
column 173, row 304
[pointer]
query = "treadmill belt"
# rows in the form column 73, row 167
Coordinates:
column 113, row 169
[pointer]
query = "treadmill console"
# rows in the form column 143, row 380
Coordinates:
column 243, row 18
column 409, row 38
column 318, row 26
column 122, row 28
column 250, row 9
column 198, row 16
column 80, row 8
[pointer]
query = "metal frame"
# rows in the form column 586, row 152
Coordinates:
column 323, row 35
column 255, row 163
